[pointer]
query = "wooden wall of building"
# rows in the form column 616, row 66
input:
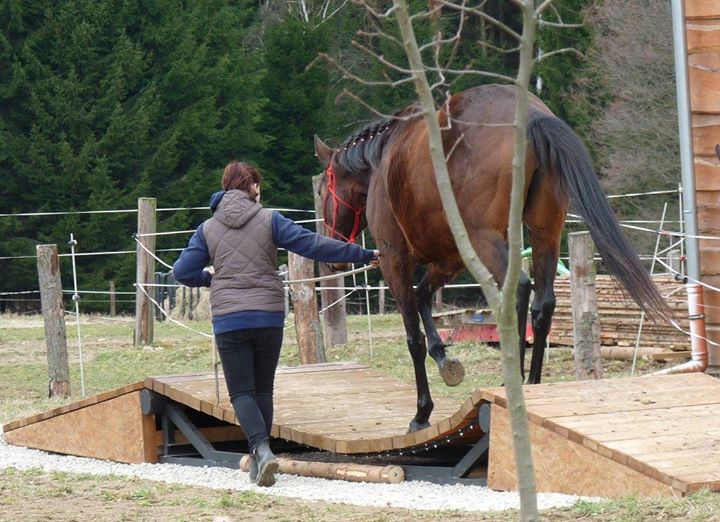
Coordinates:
column 703, row 41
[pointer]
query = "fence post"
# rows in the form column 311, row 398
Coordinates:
column 335, row 317
column 439, row 300
column 674, row 261
column 381, row 298
column 113, row 308
column 145, row 271
column 307, row 321
column 586, row 324
column 286, row 291
column 48, row 267
column 190, row 304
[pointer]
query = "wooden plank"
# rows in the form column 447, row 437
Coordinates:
column 705, row 133
column 707, row 173
column 699, row 9
column 590, row 391
column 111, row 430
column 703, row 36
column 600, row 423
column 704, row 81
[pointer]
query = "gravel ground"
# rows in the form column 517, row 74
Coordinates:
column 413, row 495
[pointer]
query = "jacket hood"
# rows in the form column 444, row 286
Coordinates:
column 234, row 208
column 215, row 200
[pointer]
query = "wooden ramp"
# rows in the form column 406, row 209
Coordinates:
column 648, row 436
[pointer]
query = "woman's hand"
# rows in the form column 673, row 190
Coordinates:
column 376, row 259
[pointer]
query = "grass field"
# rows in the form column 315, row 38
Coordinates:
column 111, row 361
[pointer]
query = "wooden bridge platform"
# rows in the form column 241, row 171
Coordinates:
column 649, row 436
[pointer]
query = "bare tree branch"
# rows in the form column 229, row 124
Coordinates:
column 471, row 72
column 559, row 25
column 426, row 14
column 483, row 15
column 379, row 34
column 347, row 74
column 541, row 8
column 349, row 94
column 545, row 56
column 374, row 12
column 380, row 58
column 326, row 17
column 498, row 49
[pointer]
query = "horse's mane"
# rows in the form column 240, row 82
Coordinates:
column 361, row 152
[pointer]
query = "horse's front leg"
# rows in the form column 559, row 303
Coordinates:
column 397, row 271
column 450, row 368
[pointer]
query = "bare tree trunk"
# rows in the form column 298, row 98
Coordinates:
column 508, row 328
column 502, row 302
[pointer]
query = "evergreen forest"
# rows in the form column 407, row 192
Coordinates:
column 106, row 101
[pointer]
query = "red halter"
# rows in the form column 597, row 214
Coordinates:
column 331, row 189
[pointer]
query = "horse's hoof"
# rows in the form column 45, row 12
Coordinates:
column 417, row 426
column 452, row 371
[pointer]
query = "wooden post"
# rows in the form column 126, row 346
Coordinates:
column 335, row 317
column 381, row 298
column 586, row 324
column 48, row 267
column 113, row 308
column 182, row 302
column 674, row 262
column 439, row 300
column 283, row 269
column 190, row 305
column 307, row 319
column 145, row 272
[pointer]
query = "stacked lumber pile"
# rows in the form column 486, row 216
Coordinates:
column 620, row 320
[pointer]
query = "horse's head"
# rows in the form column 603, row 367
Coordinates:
column 343, row 196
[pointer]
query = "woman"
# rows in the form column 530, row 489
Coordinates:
column 241, row 240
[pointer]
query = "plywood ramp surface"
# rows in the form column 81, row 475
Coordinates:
column 339, row 407
column 648, row 435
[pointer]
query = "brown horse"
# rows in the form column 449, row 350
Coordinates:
column 382, row 176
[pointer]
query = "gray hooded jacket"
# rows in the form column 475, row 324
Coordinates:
column 240, row 243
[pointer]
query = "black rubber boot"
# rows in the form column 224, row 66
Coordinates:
column 267, row 465
column 253, row 469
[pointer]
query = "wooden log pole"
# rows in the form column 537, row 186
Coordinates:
column 333, row 470
column 586, row 324
column 51, row 301
column 145, row 272
column 335, row 317
column 113, row 300
column 307, row 320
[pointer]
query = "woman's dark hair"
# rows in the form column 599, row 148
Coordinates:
column 239, row 175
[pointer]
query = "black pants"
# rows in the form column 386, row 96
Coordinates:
column 249, row 358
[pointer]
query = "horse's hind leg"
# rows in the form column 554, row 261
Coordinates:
column 545, row 217
column 451, row 369
column 543, row 306
column 523, row 302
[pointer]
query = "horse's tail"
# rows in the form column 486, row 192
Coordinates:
column 558, row 149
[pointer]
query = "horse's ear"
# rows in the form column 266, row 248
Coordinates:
column 322, row 151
